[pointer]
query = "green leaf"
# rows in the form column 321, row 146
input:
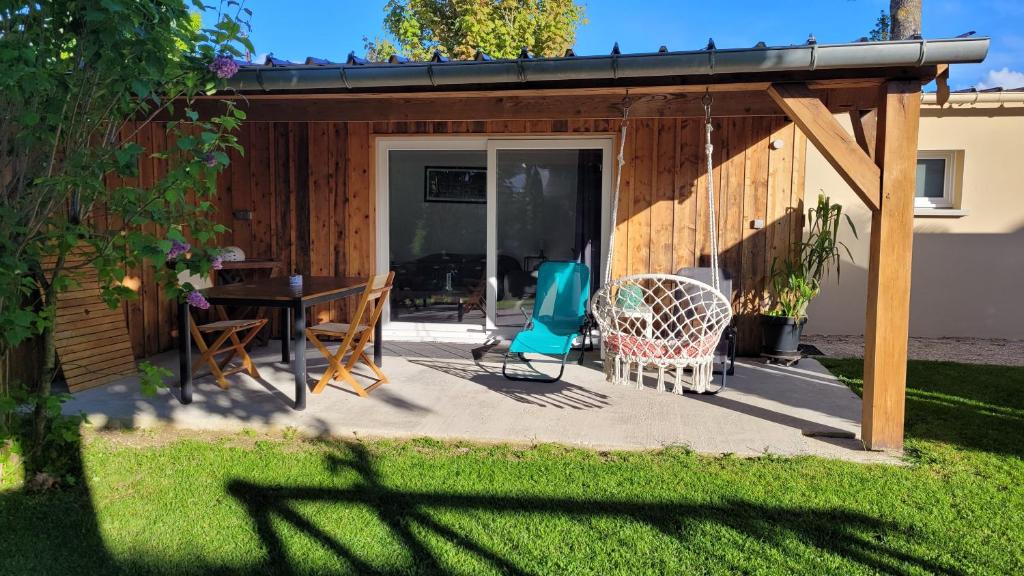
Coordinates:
column 186, row 143
column 140, row 88
column 221, row 157
column 151, row 378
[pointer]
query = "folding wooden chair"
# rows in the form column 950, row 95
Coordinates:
column 229, row 330
column 355, row 337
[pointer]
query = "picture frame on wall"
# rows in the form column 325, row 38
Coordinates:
column 459, row 184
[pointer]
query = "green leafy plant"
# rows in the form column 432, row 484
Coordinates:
column 80, row 80
column 796, row 279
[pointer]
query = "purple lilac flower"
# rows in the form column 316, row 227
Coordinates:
column 177, row 249
column 217, row 263
column 197, row 300
column 209, row 159
column 224, row 66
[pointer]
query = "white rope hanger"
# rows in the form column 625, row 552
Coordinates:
column 709, row 150
column 626, row 104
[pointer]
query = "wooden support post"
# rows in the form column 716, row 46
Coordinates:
column 892, row 232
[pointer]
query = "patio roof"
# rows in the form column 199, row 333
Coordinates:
column 399, row 74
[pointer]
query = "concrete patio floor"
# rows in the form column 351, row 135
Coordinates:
column 439, row 390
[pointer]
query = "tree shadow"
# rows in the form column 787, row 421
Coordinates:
column 972, row 406
column 64, row 533
column 406, row 514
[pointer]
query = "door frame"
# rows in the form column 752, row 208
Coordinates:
column 490, row 143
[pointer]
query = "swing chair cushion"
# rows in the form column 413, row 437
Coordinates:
column 631, row 345
column 559, row 310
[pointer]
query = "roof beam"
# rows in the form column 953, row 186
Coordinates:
column 873, row 83
column 327, row 108
column 754, row 103
column 831, row 139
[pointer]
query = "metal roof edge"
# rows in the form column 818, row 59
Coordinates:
column 808, row 57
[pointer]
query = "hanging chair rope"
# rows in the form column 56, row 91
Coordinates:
column 618, row 183
column 709, row 150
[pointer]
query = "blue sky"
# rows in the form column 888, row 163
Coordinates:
column 331, row 28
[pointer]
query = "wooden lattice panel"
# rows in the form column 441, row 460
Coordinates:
column 93, row 345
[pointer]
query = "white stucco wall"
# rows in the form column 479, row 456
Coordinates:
column 968, row 272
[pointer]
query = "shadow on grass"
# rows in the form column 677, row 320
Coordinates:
column 972, row 406
column 58, row 532
column 856, row 537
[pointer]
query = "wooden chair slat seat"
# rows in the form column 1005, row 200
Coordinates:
column 229, row 342
column 231, row 324
column 356, row 336
column 338, row 329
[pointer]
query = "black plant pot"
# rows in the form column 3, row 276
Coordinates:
column 780, row 335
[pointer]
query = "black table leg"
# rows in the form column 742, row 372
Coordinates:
column 299, row 366
column 286, row 335
column 184, row 353
column 378, row 343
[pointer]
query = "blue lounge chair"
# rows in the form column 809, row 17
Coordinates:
column 559, row 316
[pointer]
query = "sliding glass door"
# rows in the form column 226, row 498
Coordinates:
column 547, row 200
column 465, row 223
column 437, row 231
column 547, row 205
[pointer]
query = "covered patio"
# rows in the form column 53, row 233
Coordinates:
column 312, row 194
column 456, row 392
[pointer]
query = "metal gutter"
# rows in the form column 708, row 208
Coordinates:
column 810, row 57
column 1007, row 97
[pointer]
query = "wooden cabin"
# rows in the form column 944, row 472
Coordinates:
column 463, row 176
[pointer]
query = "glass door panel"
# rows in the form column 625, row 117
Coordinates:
column 548, row 207
column 437, row 233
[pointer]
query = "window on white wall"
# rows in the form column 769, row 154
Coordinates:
column 936, row 172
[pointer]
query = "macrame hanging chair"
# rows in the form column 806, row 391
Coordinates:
column 668, row 322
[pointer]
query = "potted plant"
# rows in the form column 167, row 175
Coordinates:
column 796, row 279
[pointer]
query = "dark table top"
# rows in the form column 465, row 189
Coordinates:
column 314, row 289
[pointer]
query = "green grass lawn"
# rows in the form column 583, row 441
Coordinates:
column 248, row 503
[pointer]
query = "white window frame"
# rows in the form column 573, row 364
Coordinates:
column 948, row 199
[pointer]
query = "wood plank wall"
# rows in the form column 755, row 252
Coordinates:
column 310, row 189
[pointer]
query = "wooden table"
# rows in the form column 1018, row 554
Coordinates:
column 275, row 293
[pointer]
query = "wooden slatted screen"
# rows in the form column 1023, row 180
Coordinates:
column 92, row 340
